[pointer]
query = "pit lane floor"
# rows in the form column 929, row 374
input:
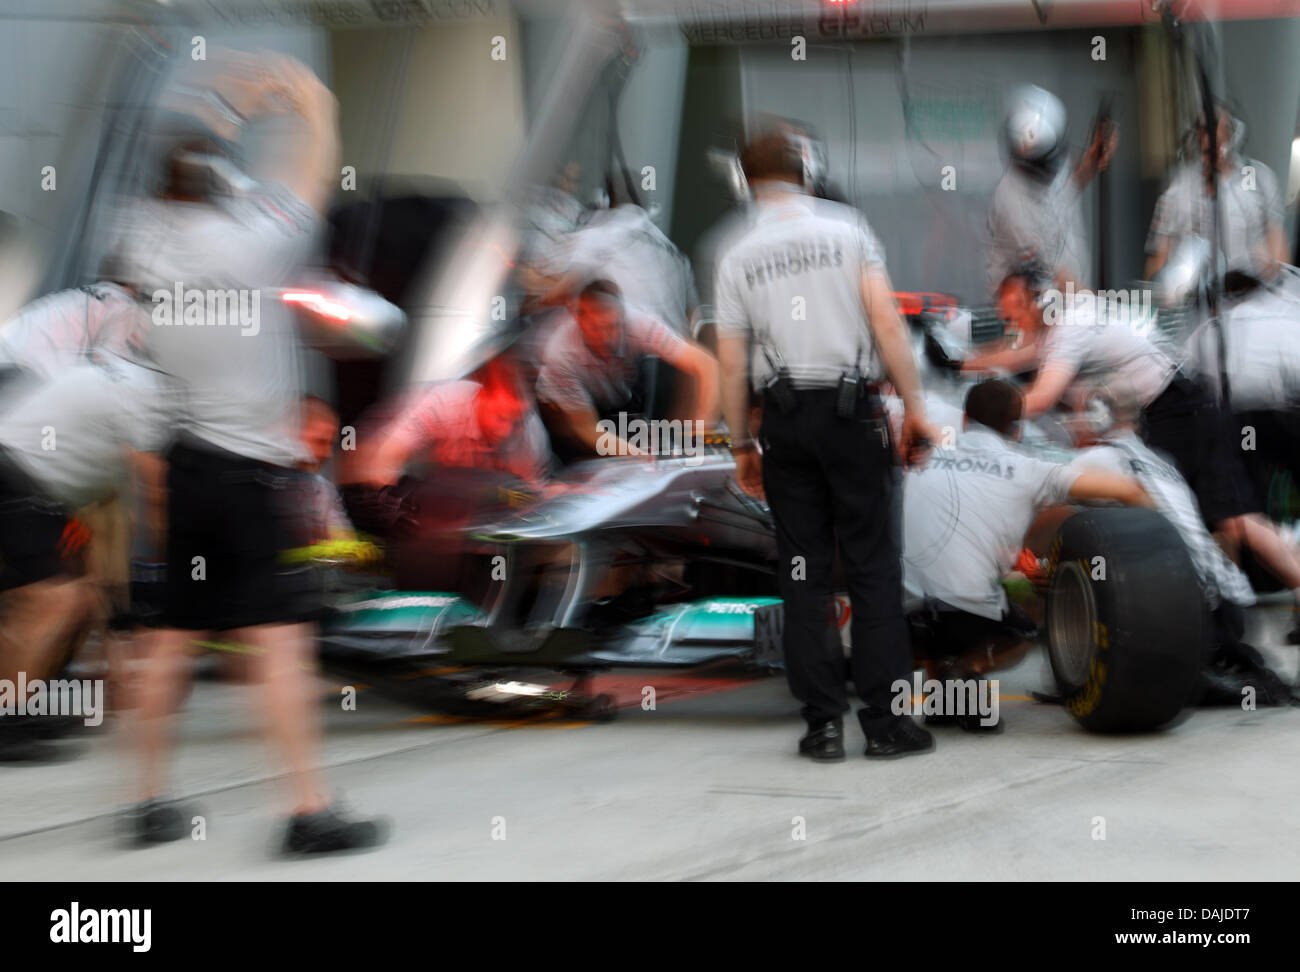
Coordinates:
column 707, row 786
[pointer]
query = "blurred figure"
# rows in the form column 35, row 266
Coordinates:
column 1036, row 211
column 61, row 329
column 552, row 215
column 487, row 424
column 593, row 368
column 324, row 510
column 1249, row 206
column 965, row 516
column 237, row 443
column 1119, row 450
column 623, row 244
column 1179, row 415
column 68, row 444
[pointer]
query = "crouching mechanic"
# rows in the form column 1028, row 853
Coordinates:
column 488, row 423
column 65, row 445
column 1091, row 339
column 594, row 367
column 965, row 515
column 1118, row 450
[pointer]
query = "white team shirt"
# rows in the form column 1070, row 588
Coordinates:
column 444, row 420
column 61, row 329
column 1262, row 338
column 239, row 388
column 624, row 245
column 1126, row 454
column 572, row 377
column 792, row 281
column 71, row 433
column 965, row 514
column 1043, row 220
column 1185, row 208
column 1104, row 349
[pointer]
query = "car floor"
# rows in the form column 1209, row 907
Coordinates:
column 706, row 786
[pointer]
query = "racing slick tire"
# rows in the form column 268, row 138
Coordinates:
column 1128, row 631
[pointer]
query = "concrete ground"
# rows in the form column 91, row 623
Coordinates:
column 706, row 786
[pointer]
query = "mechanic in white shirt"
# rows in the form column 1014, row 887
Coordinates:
column 485, row 424
column 1179, row 415
column 1036, row 212
column 1119, row 450
column 61, row 329
column 229, row 507
column 965, row 516
column 72, row 440
column 806, row 317
column 1249, row 208
column 594, row 366
column 624, row 245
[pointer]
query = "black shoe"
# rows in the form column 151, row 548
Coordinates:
column 327, row 830
column 905, row 738
column 824, row 741
column 158, row 822
column 941, row 720
column 19, row 744
column 974, row 723
column 54, row 727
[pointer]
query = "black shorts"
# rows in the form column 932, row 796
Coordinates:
column 34, row 541
column 1186, row 424
column 947, row 632
column 230, row 522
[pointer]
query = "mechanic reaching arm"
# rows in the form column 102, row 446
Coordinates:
column 1036, row 211
column 591, row 370
column 1178, row 414
column 236, row 414
column 965, row 516
column 485, row 424
column 1067, row 339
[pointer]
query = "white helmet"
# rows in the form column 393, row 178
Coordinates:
column 1035, row 127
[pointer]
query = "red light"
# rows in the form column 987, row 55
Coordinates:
column 319, row 303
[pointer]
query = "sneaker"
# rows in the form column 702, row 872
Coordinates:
column 158, row 822
column 904, row 738
column 328, row 830
column 824, row 741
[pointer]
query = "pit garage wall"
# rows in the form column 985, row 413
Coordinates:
column 56, row 62
column 935, row 239
column 894, row 113
column 455, row 115
column 649, row 114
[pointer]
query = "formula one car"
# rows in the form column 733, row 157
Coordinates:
column 690, row 558
column 694, row 559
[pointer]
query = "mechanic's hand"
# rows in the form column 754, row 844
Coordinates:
column 916, row 437
column 1102, row 148
column 749, row 473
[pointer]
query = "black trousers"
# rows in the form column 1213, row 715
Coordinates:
column 1186, row 423
column 830, row 482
